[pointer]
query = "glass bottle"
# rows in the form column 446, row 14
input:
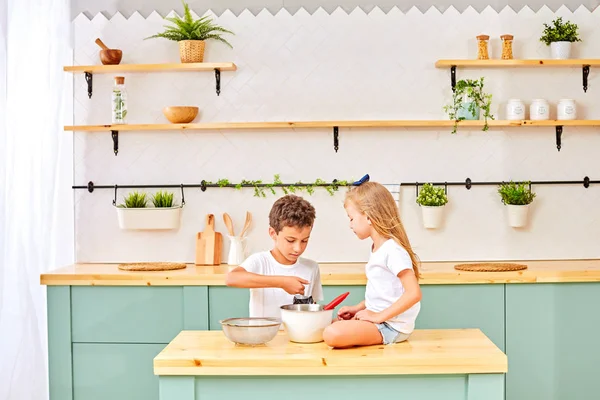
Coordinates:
column 119, row 101
column 482, row 47
column 507, row 53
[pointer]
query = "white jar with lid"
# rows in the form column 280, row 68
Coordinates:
column 515, row 110
column 566, row 109
column 539, row 110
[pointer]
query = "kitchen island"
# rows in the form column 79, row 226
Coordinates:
column 106, row 326
column 432, row 364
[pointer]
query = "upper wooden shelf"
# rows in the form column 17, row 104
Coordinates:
column 495, row 63
column 105, row 69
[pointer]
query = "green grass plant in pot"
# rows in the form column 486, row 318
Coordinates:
column 468, row 101
column 192, row 35
column 517, row 197
column 135, row 213
column 432, row 201
column 560, row 37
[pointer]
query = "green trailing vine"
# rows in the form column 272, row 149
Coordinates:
column 469, row 91
column 261, row 188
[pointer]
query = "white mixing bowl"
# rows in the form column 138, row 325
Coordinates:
column 305, row 323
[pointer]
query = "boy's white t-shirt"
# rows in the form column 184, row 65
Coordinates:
column 266, row 302
column 384, row 287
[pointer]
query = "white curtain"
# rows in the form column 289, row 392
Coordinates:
column 36, row 210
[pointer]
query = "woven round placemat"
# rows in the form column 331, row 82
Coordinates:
column 490, row 267
column 151, row 266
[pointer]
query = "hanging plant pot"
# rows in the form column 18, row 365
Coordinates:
column 432, row 216
column 465, row 111
column 560, row 50
column 191, row 51
column 151, row 218
column 517, row 215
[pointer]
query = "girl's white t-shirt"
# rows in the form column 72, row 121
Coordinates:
column 384, row 287
column 266, row 302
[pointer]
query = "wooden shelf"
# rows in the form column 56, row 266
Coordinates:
column 326, row 124
column 497, row 63
column 90, row 70
column 106, row 69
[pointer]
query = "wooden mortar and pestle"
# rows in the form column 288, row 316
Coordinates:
column 109, row 56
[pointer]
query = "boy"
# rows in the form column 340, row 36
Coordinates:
column 275, row 276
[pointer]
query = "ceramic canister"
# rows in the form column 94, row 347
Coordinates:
column 539, row 110
column 515, row 110
column 566, row 109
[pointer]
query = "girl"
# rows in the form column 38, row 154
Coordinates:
column 392, row 299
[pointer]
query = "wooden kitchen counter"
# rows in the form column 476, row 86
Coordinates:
column 550, row 271
column 440, row 351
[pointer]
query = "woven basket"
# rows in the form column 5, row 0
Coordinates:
column 151, row 266
column 490, row 267
column 191, row 51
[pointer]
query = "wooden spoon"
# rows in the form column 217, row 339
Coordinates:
column 228, row 223
column 101, row 44
column 247, row 223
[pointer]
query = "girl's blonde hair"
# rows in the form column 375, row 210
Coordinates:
column 377, row 203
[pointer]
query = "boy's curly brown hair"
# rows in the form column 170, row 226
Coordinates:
column 293, row 211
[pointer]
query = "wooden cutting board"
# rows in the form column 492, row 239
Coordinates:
column 209, row 244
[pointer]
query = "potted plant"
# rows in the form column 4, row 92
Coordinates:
column 134, row 213
column 192, row 34
column 517, row 197
column 559, row 37
column 468, row 100
column 432, row 201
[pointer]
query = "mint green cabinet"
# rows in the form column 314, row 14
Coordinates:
column 552, row 336
column 114, row 371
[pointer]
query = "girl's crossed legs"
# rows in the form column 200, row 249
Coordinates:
column 349, row 333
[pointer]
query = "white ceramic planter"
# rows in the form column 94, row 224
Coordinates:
column 149, row 218
column 517, row 215
column 560, row 50
column 432, row 216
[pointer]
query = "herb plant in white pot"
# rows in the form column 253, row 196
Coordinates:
column 134, row 213
column 432, row 201
column 517, row 197
column 560, row 37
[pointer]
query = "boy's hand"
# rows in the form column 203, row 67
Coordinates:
column 347, row 312
column 293, row 284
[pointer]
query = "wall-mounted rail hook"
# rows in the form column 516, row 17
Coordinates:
column 218, row 80
column 115, row 138
column 182, row 196
column 336, row 138
column 453, row 77
column 417, row 187
column 468, row 183
column 586, row 182
column 203, row 185
column 559, row 131
column 89, row 79
column 586, row 73
column 90, row 186
column 446, row 188
column 530, row 186
column 115, row 199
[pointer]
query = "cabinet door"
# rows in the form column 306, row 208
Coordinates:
column 552, row 341
column 464, row 306
column 104, row 371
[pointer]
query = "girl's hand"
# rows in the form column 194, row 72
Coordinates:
column 346, row 312
column 367, row 315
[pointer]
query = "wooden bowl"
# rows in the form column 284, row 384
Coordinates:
column 110, row 56
column 180, row 114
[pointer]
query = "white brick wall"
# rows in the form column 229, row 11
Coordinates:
column 340, row 66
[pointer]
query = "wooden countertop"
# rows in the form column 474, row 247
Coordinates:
column 433, row 273
column 440, row 351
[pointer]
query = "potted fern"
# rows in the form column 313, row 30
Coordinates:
column 560, row 37
column 134, row 213
column 517, row 197
column 432, row 201
column 468, row 100
column 192, row 34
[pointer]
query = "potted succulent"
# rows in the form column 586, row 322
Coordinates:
column 560, row 37
column 468, row 100
column 432, row 201
column 517, row 197
column 134, row 213
column 192, row 34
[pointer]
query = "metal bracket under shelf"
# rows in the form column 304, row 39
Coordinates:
column 453, row 77
column 218, row 80
column 115, row 138
column 89, row 79
column 586, row 73
column 336, row 139
column 559, row 131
